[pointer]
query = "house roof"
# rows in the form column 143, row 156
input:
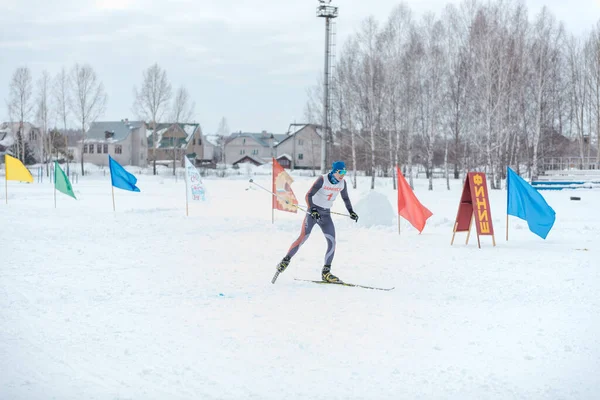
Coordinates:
column 284, row 155
column 212, row 139
column 120, row 129
column 6, row 139
column 246, row 158
column 301, row 127
column 166, row 142
column 260, row 138
column 11, row 129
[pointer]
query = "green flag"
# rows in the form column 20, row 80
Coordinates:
column 61, row 181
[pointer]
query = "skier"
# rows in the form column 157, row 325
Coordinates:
column 319, row 199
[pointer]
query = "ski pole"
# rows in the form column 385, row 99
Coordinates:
column 282, row 198
column 294, row 205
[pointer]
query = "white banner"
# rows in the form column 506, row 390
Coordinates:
column 195, row 188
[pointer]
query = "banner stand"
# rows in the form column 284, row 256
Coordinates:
column 474, row 205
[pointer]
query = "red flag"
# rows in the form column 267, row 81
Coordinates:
column 409, row 206
column 285, row 199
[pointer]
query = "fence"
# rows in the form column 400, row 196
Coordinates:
column 569, row 163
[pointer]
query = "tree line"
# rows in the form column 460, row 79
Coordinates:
column 477, row 87
column 78, row 95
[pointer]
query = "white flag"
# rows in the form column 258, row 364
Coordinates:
column 195, row 188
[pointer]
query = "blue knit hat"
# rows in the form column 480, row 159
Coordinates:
column 338, row 165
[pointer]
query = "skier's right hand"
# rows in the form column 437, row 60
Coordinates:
column 315, row 214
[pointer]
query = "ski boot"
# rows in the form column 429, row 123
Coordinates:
column 283, row 264
column 327, row 276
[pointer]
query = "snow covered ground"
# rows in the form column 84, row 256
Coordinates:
column 146, row 303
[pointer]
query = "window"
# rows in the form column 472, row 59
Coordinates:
column 242, row 151
column 300, row 142
column 91, row 149
column 105, row 149
column 194, row 142
column 255, row 152
column 99, row 148
column 300, row 156
column 244, row 142
column 118, row 149
column 85, row 148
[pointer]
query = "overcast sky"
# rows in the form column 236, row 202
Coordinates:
column 250, row 61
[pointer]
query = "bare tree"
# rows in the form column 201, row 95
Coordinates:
column 344, row 104
column 593, row 61
column 544, row 53
column 371, row 85
column 579, row 90
column 397, row 34
column 20, row 104
column 222, row 132
column 152, row 100
column 430, row 75
column 183, row 107
column 87, row 100
column 43, row 116
column 61, row 105
column 61, row 96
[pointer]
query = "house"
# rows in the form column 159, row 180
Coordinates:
column 6, row 140
column 31, row 134
column 213, row 149
column 260, row 147
column 285, row 160
column 302, row 147
column 176, row 140
column 123, row 140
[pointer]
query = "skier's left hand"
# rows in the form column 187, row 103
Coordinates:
column 354, row 216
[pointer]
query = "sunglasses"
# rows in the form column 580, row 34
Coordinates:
column 341, row 171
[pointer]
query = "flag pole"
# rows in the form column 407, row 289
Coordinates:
column 54, row 168
column 186, row 191
column 6, row 177
column 273, row 190
column 113, row 196
column 398, row 224
column 507, row 226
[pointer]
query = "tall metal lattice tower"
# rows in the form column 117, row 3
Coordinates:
column 329, row 12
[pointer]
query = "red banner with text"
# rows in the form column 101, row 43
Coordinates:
column 474, row 204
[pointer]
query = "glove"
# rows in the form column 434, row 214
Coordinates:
column 353, row 216
column 315, row 214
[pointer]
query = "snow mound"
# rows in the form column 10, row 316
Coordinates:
column 375, row 209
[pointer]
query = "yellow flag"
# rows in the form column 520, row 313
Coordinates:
column 16, row 171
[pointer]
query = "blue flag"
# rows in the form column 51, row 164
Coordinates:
column 525, row 202
column 121, row 178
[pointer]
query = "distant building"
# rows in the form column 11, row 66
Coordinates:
column 257, row 148
column 301, row 148
column 176, row 140
column 32, row 135
column 125, row 141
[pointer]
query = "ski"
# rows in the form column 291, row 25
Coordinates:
column 345, row 284
column 275, row 277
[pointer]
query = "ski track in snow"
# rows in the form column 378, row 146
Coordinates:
column 146, row 303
